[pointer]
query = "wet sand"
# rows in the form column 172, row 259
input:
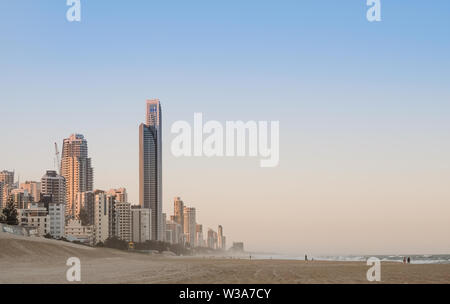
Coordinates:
column 32, row 260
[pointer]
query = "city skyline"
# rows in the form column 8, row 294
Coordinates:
column 363, row 109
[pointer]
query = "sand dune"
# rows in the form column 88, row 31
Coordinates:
column 33, row 260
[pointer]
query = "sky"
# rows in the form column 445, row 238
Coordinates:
column 363, row 109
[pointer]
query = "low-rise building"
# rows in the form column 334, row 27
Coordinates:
column 36, row 217
column 75, row 231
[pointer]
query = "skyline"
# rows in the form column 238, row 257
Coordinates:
column 363, row 111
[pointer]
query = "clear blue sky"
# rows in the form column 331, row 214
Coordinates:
column 354, row 99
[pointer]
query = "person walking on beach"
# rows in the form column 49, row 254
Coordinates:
column 409, row 260
column 306, row 258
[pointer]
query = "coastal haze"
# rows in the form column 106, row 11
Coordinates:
column 363, row 110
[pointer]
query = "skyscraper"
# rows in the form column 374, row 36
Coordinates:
column 190, row 226
column 178, row 210
column 76, row 169
column 150, row 166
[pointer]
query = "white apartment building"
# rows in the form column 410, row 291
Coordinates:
column 141, row 228
column 35, row 217
column 101, row 217
column 123, row 221
column 57, row 213
column 74, row 231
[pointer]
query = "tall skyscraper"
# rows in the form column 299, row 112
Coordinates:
column 221, row 243
column 76, row 169
column 190, row 226
column 178, row 210
column 150, row 166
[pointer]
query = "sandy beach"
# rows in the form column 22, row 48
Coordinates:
column 35, row 260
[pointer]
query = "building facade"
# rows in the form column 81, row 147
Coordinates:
column 54, row 185
column 36, row 219
column 101, row 218
column 76, row 169
column 123, row 221
column 190, row 225
column 57, row 212
column 150, row 166
column 141, row 224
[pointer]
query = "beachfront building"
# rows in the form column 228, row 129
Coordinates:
column 36, row 219
column 56, row 212
column 101, row 217
column 211, row 239
column 221, row 240
column 34, row 188
column 150, row 166
column 75, row 231
column 123, row 221
column 190, row 225
column 141, row 224
column 54, row 185
column 174, row 233
column 199, row 242
column 76, row 169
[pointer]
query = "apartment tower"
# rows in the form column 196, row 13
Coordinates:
column 150, row 166
column 76, row 169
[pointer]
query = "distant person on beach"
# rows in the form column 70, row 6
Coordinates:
column 409, row 260
column 306, row 257
column 404, row 260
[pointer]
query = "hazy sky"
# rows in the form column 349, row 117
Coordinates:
column 363, row 109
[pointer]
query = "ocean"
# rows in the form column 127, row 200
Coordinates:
column 415, row 259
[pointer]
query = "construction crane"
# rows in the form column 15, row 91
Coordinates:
column 58, row 161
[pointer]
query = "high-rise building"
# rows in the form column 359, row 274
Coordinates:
column 76, row 169
column 54, row 185
column 141, row 224
column 6, row 185
column 178, row 210
column 34, row 188
column 190, row 225
column 101, row 217
column 212, row 239
column 221, row 243
column 123, row 221
column 150, row 166
column 120, row 194
column 7, row 177
column 199, row 236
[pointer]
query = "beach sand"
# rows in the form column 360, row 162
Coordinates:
column 35, row 260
